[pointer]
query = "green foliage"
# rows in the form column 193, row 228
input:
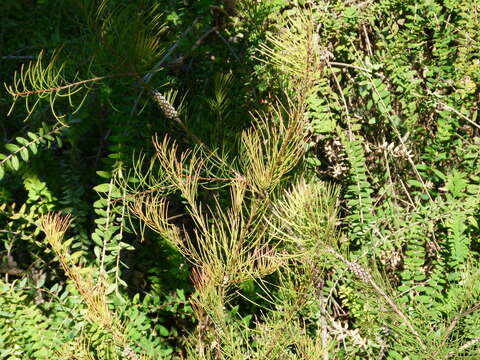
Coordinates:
column 24, row 148
column 359, row 193
column 26, row 332
column 311, row 190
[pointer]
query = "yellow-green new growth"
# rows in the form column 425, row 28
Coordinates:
column 93, row 292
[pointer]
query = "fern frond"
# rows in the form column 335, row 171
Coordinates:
column 413, row 274
column 458, row 241
column 25, row 148
column 359, row 192
column 110, row 227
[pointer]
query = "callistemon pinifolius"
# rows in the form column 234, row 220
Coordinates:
column 163, row 103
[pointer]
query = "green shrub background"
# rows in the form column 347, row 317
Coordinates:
column 240, row 179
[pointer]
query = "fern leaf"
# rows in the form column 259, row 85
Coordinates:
column 359, row 192
column 21, row 152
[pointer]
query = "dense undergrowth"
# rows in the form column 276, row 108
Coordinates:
column 239, row 179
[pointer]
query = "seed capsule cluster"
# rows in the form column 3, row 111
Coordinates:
column 167, row 108
column 359, row 272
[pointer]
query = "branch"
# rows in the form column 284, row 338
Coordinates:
column 13, row 57
column 455, row 321
column 146, row 79
column 340, row 64
column 37, row 140
column 465, row 346
column 447, row 107
column 155, row 68
column 365, row 276
column 59, row 88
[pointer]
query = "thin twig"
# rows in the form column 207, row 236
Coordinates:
column 37, row 140
column 337, row 83
column 228, row 45
column 198, row 42
column 447, row 107
column 465, row 346
column 402, row 141
column 455, row 321
column 319, row 284
column 407, row 192
column 16, row 233
column 367, row 41
column 13, row 57
column 340, row 64
column 150, row 74
column 77, row 83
